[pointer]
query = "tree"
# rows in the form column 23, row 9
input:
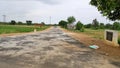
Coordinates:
column 88, row 25
column 20, row 23
column 42, row 23
column 108, row 8
column 108, row 26
column 29, row 22
column 71, row 19
column 116, row 26
column 102, row 26
column 13, row 22
column 79, row 25
column 63, row 24
column 95, row 24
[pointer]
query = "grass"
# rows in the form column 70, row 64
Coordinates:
column 95, row 33
column 5, row 29
column 99, row 34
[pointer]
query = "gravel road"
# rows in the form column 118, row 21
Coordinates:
column 49, row 49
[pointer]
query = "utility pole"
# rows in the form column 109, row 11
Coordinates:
column 50, row 20
column 4, row 18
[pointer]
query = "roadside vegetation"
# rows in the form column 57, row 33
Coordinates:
column 5, row 29
column 109, row 9
column 94, row 29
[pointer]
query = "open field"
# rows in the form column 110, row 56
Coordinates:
column 5, row 29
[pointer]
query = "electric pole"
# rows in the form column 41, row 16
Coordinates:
column 4, row 18
column 50, row 20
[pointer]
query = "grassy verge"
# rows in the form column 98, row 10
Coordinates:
column 99, row 34
column 6, row 29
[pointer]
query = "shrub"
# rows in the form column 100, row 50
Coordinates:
column 79, row 25
column 29, row 22
column 95, row 24
column 63, row 24
column 82, row 29
column 118, row 40
column 13, row 22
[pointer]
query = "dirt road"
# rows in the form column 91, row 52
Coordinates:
column 49, row 49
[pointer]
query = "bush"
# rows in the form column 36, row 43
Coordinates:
column 13, row 22
column 29, row 22
column 79, row 25
column 116, row 26
column 88, row 25
column 102, row 26
column 63, row 24
column 108, row 26
column 118, row 40
column 82, row 29
column 20, row 23
column 95, row 24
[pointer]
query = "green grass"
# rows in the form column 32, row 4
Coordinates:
column 5, row 29
column 99, row 34
column 95, row 33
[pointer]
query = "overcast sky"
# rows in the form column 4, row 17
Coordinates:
column 41, row 10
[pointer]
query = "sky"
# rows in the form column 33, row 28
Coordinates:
column 49, row 11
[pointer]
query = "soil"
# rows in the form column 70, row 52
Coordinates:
column 105, row 47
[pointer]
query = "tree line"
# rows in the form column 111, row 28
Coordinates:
column 69, row 24
column 94, row 25
column 13, row 22
column 108, row 8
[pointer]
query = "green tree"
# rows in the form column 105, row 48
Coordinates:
column 102, row 26
column 88, row 25
column 63, row 24
column 95, row 24
column 42, row 23
column 71, row 19
column 108, row 26
column 79, row 25
column 13, row 22
column 116, row 26
column 20, row 23
column 108, row 8
column 29, row 22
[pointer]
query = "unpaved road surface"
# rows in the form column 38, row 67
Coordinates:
column 49, row 49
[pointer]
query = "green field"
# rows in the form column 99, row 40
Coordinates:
column 99, row 34
column 95, row 33
column 5, row 29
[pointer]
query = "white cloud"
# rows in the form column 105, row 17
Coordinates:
column 41, row 10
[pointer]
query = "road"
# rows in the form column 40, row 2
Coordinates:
column 49, row 49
